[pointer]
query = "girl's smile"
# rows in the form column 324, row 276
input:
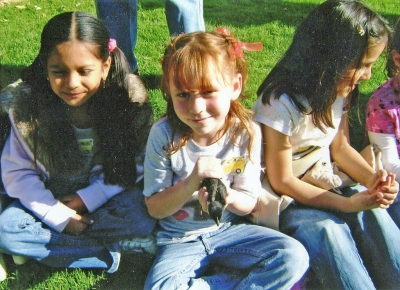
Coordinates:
column 199, row 120
column 205, row 112
column 74, row 95
column 75, row 73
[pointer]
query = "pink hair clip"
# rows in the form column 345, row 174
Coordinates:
column 112, row 44
column 238, row 46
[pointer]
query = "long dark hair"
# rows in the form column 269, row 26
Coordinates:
column 391, row 68
column 334, row 36
column 121, row 125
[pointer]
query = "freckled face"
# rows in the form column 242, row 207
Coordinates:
column 205, row 111
column 75, row 73
column 354, row 76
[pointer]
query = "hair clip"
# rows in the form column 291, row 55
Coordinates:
column 360, row 30
column 112, row 44
column 238, row 46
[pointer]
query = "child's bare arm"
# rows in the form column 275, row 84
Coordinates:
column 278, row 160
column 380, row 184
column 168, row 201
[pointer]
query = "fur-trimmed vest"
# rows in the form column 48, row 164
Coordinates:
column 122, row 128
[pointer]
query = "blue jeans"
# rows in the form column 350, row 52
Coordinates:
column 120, row 18
column 347, row 251
column 123, row 217
column 240, row 256
column 394, row 211
column 184, row 16
column 4, row 201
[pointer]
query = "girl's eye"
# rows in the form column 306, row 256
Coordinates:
column 58, row 73
column 85, row 72
column 183, row 95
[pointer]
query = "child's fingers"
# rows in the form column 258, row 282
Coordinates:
column 209, row 167
column 203, row 198
column 392, row 181
column 389, row 180
column 380, row 177
column 389, row 187
column 383, row 200
column 393, row 177
column 377, row 184
column 230, row 198
column 83, row 219
column 87, row 221
column 65, row 200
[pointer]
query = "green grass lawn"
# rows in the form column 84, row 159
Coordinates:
column 270, row 21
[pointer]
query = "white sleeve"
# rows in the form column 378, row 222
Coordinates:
column 98, row 193
column 21, row 180
column 388, row 145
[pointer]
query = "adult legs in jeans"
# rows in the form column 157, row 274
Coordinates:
column 184, row 16
column 120, row 18
column 352, row 251
column 243, row 256
column 22, row 234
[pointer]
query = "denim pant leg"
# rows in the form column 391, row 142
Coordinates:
column 378, row 242
column 5, row 200
column 175, row 264
column 22, row 234
column 394, row 212
column 245, row 256
column 184, row 16
column 269, row 259
column 123, row 217
column 334, row 257
column 120, row 18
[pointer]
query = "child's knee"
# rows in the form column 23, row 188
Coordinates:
column 296, row 255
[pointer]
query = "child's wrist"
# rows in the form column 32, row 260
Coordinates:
column 190, row 185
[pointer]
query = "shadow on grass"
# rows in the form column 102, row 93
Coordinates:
column 9, row 74
column 256, row 12
column 151, row 81
column 245, row 12
column 131, row 275
column 25, row 276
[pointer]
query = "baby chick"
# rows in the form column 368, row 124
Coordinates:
column 216, row 196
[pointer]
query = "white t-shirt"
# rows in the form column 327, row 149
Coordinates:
column 162, row 172
column 282, row 115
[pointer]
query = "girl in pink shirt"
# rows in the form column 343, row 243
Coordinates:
column 383, row 117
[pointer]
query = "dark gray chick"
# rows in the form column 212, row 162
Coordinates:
column 216, row 196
